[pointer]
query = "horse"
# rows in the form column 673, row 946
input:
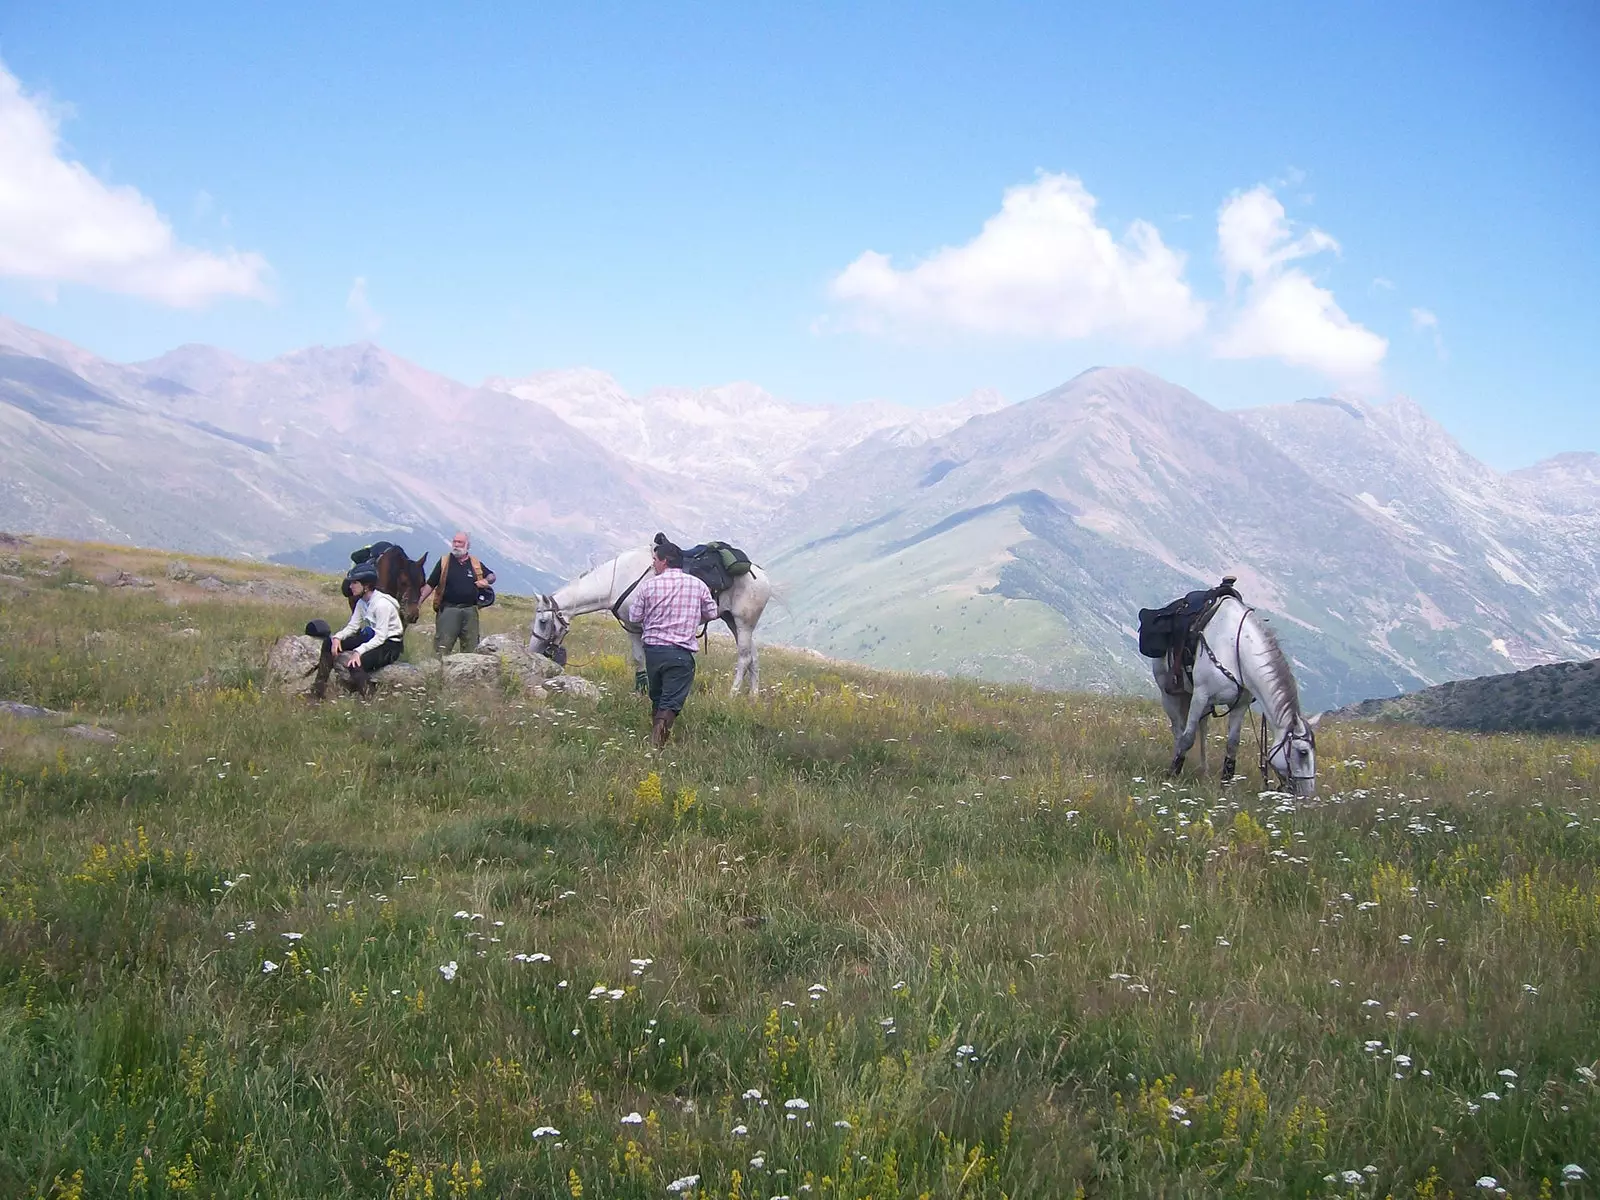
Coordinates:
column 400, row 577
column 611, row 585
column 1240, row 659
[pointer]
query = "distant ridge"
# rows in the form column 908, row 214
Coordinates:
column 1554, row 698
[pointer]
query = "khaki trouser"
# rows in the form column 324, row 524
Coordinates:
column 456, row 621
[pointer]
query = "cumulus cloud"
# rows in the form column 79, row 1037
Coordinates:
column 1041, row 267
column 357, row 304
column 1283, row 313
column 60, row 224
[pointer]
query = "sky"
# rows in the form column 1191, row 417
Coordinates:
column 837, row 202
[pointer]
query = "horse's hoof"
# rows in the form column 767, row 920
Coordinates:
column 1228, row 770
column 1177, row 765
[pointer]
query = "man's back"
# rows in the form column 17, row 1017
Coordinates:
column 670, row 607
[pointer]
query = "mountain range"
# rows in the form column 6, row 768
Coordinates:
column 1011, row 541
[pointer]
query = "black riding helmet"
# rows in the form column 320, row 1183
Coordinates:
column 365, row 572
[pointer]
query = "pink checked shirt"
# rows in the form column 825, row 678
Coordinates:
column 671, row 607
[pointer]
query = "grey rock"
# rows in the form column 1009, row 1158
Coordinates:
column 178, row 570
column 518, row 660
column 291, row 662
column 458, row 669
column 91, row 733
column 185, row 633
column 573, row 685
column 406, row 675
column 15, row 708
column 123, row 579
column 211, row 584
column 83, row 587
column 60, row 560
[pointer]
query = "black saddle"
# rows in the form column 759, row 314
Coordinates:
column 1173, row 632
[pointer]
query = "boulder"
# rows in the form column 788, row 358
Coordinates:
column 211, row 584
column 573, row 685
column 16, row 708
column 122, row 579
column 470, row 668
column 92, row 733
column 528, row 667
column 60, row 560
column 401, row 675
column 291, row 662
column 82, row 587
column 178, row 570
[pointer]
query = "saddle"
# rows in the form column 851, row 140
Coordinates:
column 1172, row 633
column 716, row 564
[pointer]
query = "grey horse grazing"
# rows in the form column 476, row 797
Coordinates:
column 1239, row 659
column 610, row 586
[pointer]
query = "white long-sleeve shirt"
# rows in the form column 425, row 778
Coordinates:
column 378, row 610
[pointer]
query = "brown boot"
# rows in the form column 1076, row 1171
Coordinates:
column 667, row 718
column 658, row 728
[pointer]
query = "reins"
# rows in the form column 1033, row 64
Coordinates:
column 1264, row 753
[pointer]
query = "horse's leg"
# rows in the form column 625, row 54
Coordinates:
column 1178, row 716
column 1195, row 708
column 741, row 660
column 1230, row 758
column 641, row 680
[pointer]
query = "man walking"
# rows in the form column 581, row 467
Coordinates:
column 457, row 583
column 669, row 607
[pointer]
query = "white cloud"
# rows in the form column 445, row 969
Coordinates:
column 1283, row 313
column 1041, row 267
column 361, row 308
column 1426, row 321
column 61, row 225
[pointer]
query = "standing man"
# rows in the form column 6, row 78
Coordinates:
column 457, row 582
column 669, row 607
column 374, row 638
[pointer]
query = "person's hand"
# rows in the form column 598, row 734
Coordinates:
column 354, row 660
column 335, row 646
column 488, row 577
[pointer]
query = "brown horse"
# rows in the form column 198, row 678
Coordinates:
column 400, row 577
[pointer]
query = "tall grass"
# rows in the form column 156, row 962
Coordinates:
column 867, row 935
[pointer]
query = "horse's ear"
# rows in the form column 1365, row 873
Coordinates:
column 422, row 563
column 1313, row 722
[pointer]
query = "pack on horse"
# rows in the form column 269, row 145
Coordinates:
column 388, row 568
column 741, row 591
column 1210, row 651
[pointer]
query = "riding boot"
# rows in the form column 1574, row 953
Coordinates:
column 323, row 669
column 361, row 683
column 667, row 718
column 658, row 728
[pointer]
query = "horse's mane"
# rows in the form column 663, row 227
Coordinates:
column 1277, row 668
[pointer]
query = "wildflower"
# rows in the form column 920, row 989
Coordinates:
column 1488, row 1182
column 1177, row 1111
column 1372, row 1004
column 1586, row 1074
column 740, row 1130
column 1530, row 989
column 1222, row 941
column 1352, row 1177
column 268, row 967
column 841, row 1125
column 1572, row 1173
column 1472, row 1109
column 463, row 915
column 293, row 937
column 1506, row 1073
column 449, row 970
column 797, row 1103
column 545, row 1131
column 633, row 1118
column 1490, row 1096
column 616, row 993
column 752, row 1094
column 1372, row 1047
column 759, row 1161
column 687, row 1183
column 900, row 986
column 1402, row 1060
column 597, row 991
column 1405, row 939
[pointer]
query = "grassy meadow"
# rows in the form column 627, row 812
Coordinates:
column 868, row 935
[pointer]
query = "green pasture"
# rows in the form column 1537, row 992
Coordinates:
column 868, row 935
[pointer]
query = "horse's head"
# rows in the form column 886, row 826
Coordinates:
column 1294, row 756
column 549, row 630
column 407, row 583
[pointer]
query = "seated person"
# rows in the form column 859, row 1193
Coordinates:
column 374, row 637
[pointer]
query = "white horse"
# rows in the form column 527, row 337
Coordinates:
column 1239, row 658
column 611, row 586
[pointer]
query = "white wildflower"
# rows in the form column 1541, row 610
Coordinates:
column 1352, row 1177
column 1506, row 1073
column 292, row 937
column 1488, row 1182
column 545, row 1131
column 752, row 1094
column 1572, row 1173
column 449, row 970
column 268, row 967
column 633, row 1118
column 687, row 1183
column 740, row 1130
column 797, row 1102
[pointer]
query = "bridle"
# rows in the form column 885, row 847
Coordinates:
column 1285, row 742
column 553, row 649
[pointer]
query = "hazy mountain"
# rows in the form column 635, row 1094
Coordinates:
column 1011, row 541
column 739, row 452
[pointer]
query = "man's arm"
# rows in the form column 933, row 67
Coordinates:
column 433, row 582
column 636, row 605
column 708, row 605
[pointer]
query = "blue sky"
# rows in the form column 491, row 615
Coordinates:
column 696, row 194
